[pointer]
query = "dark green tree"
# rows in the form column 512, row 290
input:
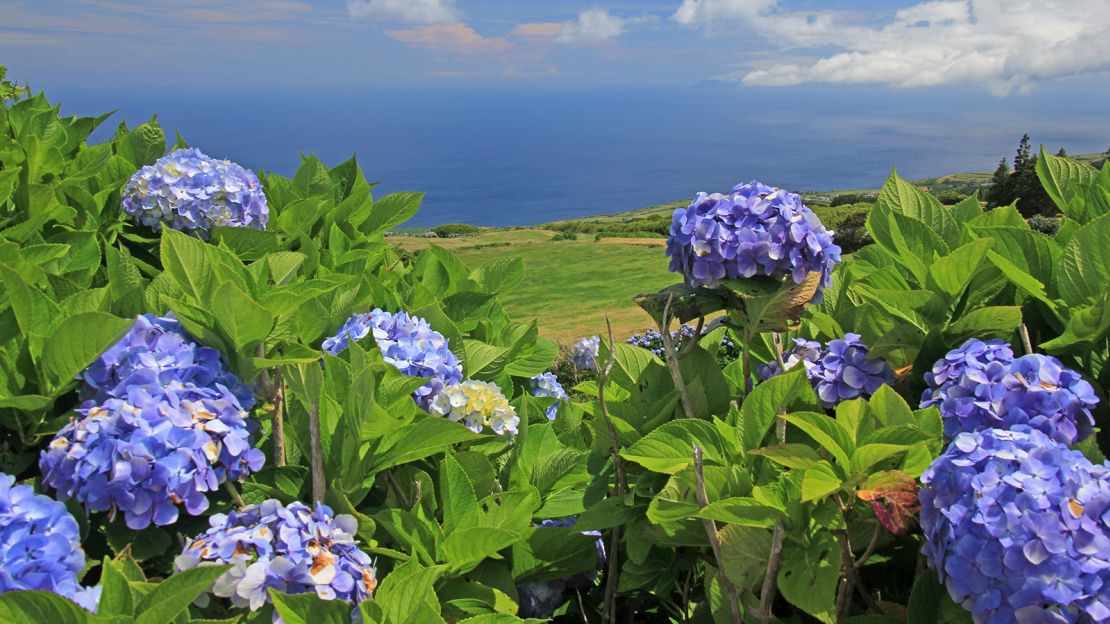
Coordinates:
column 998, row 194
column 1024, row 185
column 1063, row 153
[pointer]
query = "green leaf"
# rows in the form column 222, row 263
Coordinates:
column 1085, row 264
column 1085, row 327
column 889, row 407
column 426, row 437
column 669, row 448
column 240, row 318
column 172, row 596
column 741, row 511
column 78, row 341
column 247, row 243
column 759, row 409
column 33, row 607
column 116, row 595
column 905, row 198
column 186, row 260
column 986, row 322
column 460, row 506
column 789, row 455
column 930, row 604
column 390, row 211
column 1066, row 181
column 479, row 355
column 310, row 609
column 819, row 480
column 953, row 272
column 404, row 590
column 826, row 432
column 143, row 145
column 867, row 455
column 500, row 275
column 808, row 577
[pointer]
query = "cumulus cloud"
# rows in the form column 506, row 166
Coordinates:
column 405, row 11
column 451, row 37
column 1006, row 45
column 593, row 25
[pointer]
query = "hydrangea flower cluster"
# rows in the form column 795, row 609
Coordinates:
column 982, row 385
column 186, row 190
column 407, row 342
column 754, row 230
column 1018, row 528
column 290, row 548
column 165, row 424
column 547, row 385
column 652, row 340
column 40, row 545
column 477, row 404
column 585, row 353
column 540, row 599
column 839, row 371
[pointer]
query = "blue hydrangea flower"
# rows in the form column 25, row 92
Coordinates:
column 407, row 342
column 585, row 353
column 754, row 230
column 1018, row 528
column 40, row 545
column 547, row 385
column 477, row 404
column 156, row 351
column 839, row 371
column 539, row 599
column 290, row 548
column 186, row 190
column 982, row 385
column 164, row 425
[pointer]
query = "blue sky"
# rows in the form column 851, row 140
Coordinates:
column 1003, row 47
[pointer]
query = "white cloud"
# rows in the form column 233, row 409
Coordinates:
column 593, row 25
column 1006, row 45
column 405, row 11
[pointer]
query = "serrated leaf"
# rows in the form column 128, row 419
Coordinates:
column 760, row 408
column 669, row 448
column 78, row 341
column 391, row 211
column 310, row 609
column 173, row 595
column 819, row 480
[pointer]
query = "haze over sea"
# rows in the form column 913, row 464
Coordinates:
column 522, row 156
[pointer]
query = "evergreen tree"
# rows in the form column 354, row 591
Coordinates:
column 1062, row 153
column 1021, row 158
column 998, row 194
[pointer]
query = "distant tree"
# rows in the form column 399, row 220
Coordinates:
column 998, row 194
column 1063, row 153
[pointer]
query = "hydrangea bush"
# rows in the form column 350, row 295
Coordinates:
column 186, row 190
column 1018, row 527
column 754, row 230
column 165, row 425
column 477, row 404
column 982, row 385
column 407, row 342
column 539, row 599
column 838, row 371
column 40, row 545
column 546, row 385
column 291, row 548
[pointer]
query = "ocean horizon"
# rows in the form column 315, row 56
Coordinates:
column 523, row 156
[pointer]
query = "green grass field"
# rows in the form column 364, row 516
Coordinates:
column 569, row 286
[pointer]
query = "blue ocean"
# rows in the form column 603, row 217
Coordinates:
column 500, row 156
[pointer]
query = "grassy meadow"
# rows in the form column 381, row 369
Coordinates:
column 569, row 285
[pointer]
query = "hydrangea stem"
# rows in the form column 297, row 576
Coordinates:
column 608, row 612
column 671, row 355
column 767, row 591
column 732, row 594
column 278, row 430
column 1023, row 331
column 318, row 487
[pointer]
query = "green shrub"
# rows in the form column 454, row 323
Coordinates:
column 455, row 229
column 568, row 235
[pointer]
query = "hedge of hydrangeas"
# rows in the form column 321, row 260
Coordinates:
column 407, row 342
column 186, row 190
column 754, row 230
column 289, row 548
column 539, row 599
column 166, row 424
column 546, row 385
column 838, row 371
column 1018, row 527
column 982, row 385
column 477, row 404
column 40, row 545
